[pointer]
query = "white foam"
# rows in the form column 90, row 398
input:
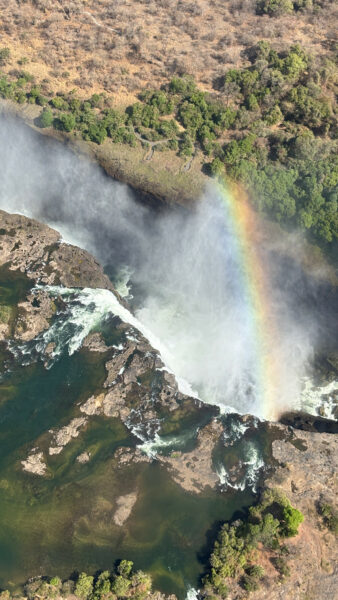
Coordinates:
column 86, row 309
column 319, row 399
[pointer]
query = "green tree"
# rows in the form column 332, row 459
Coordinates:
column 66, row 122
column 84, row 586
column 5, row 54
column 46, row 118
column 275, row 8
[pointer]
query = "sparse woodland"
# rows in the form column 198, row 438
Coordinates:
column 251, row 85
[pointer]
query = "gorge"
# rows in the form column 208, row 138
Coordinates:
column 132, row 387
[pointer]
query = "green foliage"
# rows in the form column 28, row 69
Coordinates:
column 102, row 585
column 96, row 132
column 216, row 167
column 84, row 586
column 275, row 8
column 330, row 517
column 292, row 518
column 272, row 519
column 46, row 118
column 186, row 145
column 182, row 85
column 66, row 122
column 281, row 566
column 59, row 103
column 125, row 568
column 5, row 54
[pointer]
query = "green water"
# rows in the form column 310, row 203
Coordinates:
column 65, row 522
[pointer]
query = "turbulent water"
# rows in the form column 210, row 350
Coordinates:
column 179, row 271
column 181, row 277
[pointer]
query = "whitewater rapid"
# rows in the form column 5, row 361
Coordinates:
column 85, row 309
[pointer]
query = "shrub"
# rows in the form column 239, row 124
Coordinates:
column 5, row 54
column 216, row 167
column 275, row 8
column 46, row 118
column 84, row 586
column 59, row 103
column 66, row 122
column 292, row 519
column 250, row 584
column 330, row 517
column 186, row 145
column 282, row 566
column 55, row 581
column 96, row 133
column 102, row 585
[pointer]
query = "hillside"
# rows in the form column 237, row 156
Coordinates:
column 123, row 46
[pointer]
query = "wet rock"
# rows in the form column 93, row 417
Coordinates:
column 35, row 464
column 127, row 456
column 83, row 458
column 37, row 250
column 34, row 316
column 194, row 470
column 65, row 434
column 95, row 343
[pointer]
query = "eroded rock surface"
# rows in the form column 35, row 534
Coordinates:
column 307, row 474
column 35, row 463
column 37, row 250
column 194, row 470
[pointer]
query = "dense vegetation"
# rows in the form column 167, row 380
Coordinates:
column 120, row 583
column 274, row 130
column 235, row 551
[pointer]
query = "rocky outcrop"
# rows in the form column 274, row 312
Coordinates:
column 194, row 470
column 35, row 463
column 64, row 435
column 307, row 474
column 37, row 250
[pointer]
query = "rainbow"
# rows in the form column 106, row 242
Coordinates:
column 246, row 237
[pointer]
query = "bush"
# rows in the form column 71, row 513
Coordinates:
column 96, row 133
column 84, row 586
column 292, row 519
column 282, row 566
column 46, row 118
column 330, row 517
column 275, row 8
column 65, row 122
column 216, row 167
column 59, row 103
column 102, row 585
column 5, row 54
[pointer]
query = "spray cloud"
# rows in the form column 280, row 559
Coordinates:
column 186, row 276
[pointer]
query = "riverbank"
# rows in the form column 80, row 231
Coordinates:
column 163, row 179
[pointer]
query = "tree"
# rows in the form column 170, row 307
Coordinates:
column 102, row 585
column 275, row 8
column 66, row 122
column 46, row 118
column 84, row 585
column 217, row 167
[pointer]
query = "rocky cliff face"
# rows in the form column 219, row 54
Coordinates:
column 306, row 472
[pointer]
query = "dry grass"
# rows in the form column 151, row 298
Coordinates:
column 121, row 46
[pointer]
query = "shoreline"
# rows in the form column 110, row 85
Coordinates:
column 156, row 181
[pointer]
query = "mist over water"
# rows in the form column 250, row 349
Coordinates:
column 186, row 279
